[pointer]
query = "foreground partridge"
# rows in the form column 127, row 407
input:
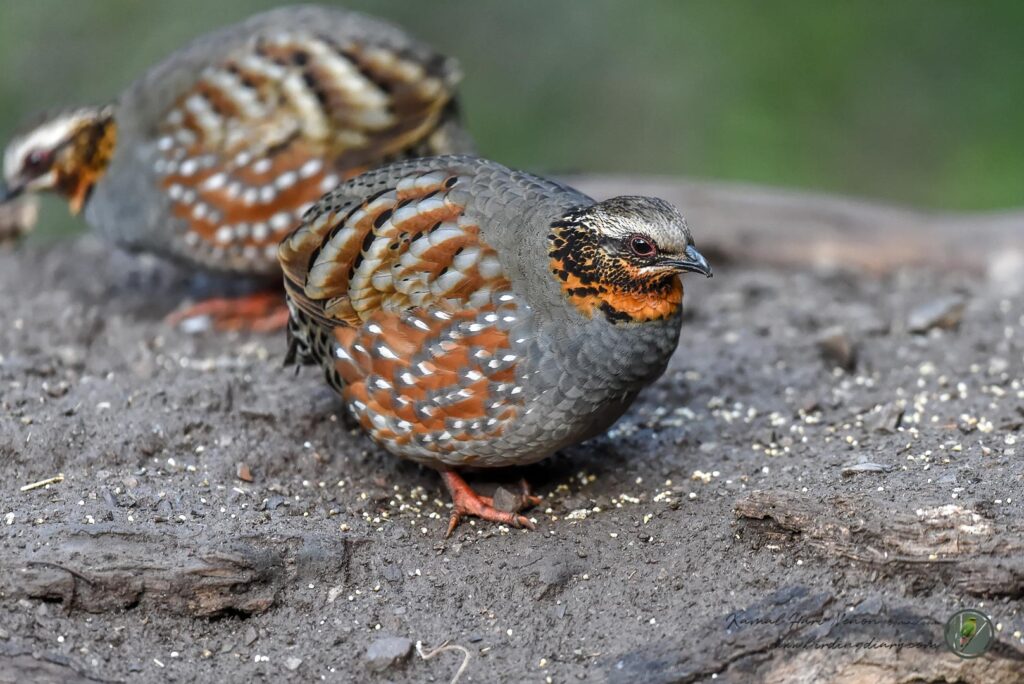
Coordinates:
column 474, row 316
column 212, row 156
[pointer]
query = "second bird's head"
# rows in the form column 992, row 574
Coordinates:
column 65, row 153
column 621, row 258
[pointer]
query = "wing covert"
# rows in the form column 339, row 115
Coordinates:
column 288, row 110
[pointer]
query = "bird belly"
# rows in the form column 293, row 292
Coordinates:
column 459, row 391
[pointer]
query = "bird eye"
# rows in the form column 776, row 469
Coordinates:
column 642, row 246
column 36, row 160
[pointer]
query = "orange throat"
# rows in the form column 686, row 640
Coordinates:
column 87, row 161
column 653, row 301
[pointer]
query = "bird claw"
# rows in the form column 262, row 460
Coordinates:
column 528, row 497
column 493, row 515
column 466, row 502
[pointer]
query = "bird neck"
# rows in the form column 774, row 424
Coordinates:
column 599, row 285
column 86, row 159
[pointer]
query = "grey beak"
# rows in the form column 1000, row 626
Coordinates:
column 7, row 192
column 694, row 261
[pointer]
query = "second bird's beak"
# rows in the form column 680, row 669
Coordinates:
column 694, row 261
column 8, row 193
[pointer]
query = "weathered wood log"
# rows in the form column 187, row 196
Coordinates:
column 205, row 568
column 945, row 544
column 108, row 569
column 802, row 635
column 18, row 667
column 785, row 228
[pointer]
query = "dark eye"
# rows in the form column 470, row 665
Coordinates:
column 641, row 246
column 37, row 160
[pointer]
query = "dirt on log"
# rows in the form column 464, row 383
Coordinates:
column 830, row 467
column 947, row 545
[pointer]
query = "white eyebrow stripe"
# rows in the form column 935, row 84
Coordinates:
column 47, row 136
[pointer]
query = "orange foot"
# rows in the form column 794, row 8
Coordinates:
column 467, row 502
column 259, row 312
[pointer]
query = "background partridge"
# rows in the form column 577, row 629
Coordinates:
column 474, row 316
column 212, row 156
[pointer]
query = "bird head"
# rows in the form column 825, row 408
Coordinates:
column 623, row 257
column 66, row 153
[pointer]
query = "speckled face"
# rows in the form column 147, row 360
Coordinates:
column 67, row 153
column 622, row 258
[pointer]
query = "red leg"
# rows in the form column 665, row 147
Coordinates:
column 259, row 312
column 467, row 502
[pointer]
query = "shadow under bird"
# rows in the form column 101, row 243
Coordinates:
column 472, row 316
column 213, row 155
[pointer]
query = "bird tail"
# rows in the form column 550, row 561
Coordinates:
column 299, row 344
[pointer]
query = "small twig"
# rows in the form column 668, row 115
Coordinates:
column 57, row 566
column 441, row 649
column 42, row 483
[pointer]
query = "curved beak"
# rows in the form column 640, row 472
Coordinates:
column 694, row 262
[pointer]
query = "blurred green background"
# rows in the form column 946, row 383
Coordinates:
column 918, row 102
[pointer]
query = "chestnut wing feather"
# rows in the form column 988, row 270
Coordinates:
column 281, row 113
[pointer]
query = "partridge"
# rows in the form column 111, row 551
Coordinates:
column 474, row 316
column 213, row 155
